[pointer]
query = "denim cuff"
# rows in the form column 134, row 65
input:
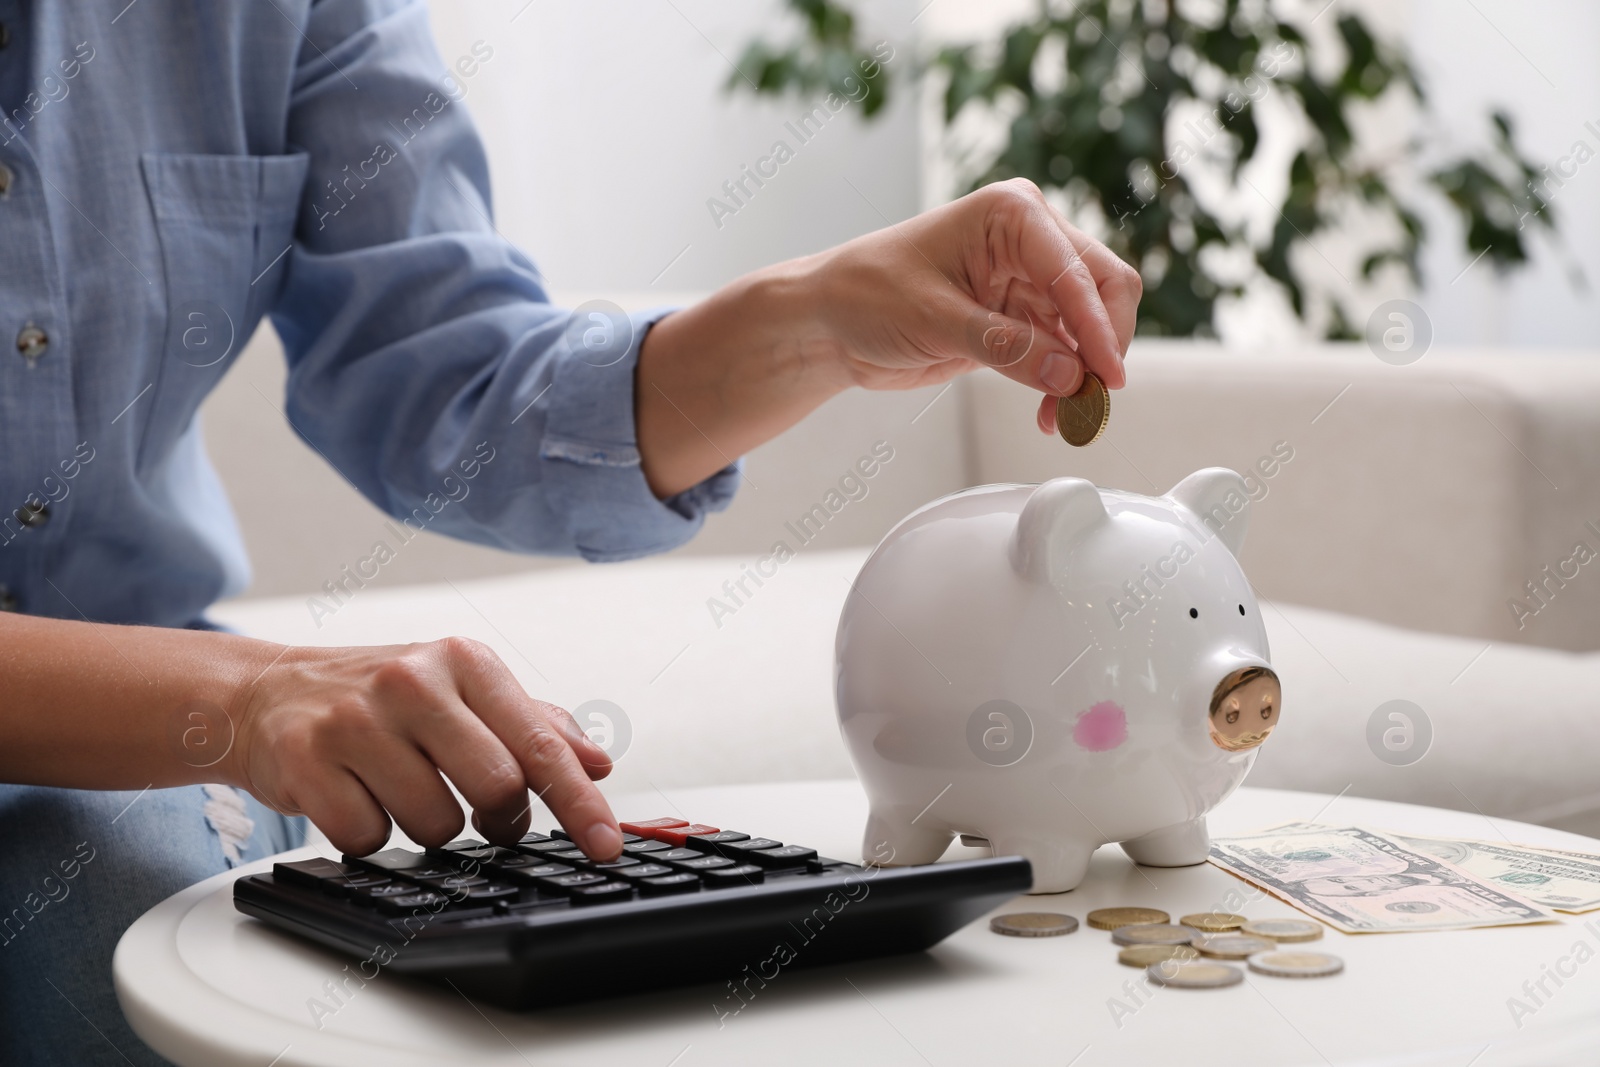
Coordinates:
column 590, row 458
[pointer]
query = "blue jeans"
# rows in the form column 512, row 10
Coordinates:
column 76, row 869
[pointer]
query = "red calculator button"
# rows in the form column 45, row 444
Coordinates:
column 648, row 827
column 677, row 836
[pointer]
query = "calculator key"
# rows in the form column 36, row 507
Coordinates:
column 489, row 894
column 349, row 885
column 675, row 855
column 676, row 836
column 642, row 829
column 642, row 846
column 533, row 837
column 642, row 871
column 740, row 849
column 531, row 875
column 338, row 885
column 509, row 859
column 670, row 883
column 566, row 883
column 626, row 837
column 464, row 844
column 540, row 848
column 370, row 895
column 570, row 855
column 605, row 893
column 463, row 857
column 704, row 863
column 824, row 865
column 455, row 885
column 312, row 872
column 413, row 902
column 726, row 877
column 709, row 842
column 787, row 856
column 614, row 866
column 398, row 860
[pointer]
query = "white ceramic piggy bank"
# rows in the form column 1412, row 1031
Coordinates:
column 1053, row 668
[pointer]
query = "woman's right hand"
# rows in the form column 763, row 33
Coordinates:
column 352, row 737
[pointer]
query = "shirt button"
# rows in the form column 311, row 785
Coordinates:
column 33, row 513
column 32, row 342
column 8, row 601
column 6, row 177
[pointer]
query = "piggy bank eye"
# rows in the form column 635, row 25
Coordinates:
column 1232, row 716
column 1266, row 711
column 1241, row 609
column 1194, row 613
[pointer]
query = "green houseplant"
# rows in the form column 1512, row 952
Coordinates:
column 1092, row 92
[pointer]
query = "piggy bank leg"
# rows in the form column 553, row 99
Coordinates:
column 892, row 839
column 1182, row 845
column 1057, row 865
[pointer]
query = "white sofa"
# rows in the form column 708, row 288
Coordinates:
column 1415, row 505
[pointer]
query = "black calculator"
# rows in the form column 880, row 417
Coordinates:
column 540, row 923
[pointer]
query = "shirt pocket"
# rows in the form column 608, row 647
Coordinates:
column 226, row 225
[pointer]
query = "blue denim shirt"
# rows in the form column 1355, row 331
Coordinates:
column 174, row 172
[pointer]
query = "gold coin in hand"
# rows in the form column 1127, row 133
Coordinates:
column 1082, row 417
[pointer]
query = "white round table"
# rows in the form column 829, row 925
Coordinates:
column 205, row 985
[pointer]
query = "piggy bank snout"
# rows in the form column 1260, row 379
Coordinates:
column 1244, row 708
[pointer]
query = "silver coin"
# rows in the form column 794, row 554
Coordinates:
column 1153, row 934
column 1033, row 924
column 1194, row 974
column 1289, row 963
column 1283, row 929
column 1231, row 946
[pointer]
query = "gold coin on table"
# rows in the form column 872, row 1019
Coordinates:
column 1194, row 974
column 1214, row 922
column 1033, row 924
column 1153, row 934
column 1082, row 417
column 1145, row 955
column 1231, row 946
column 1112, row 918
column 1284, row 930
column 1284, row 963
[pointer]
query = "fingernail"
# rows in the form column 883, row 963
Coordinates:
column 1059, row 373
column 602, row 842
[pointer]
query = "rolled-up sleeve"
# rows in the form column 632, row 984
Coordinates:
column 426, row 361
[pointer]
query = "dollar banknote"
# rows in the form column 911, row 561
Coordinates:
column 1555, row 878
column 1363, row 881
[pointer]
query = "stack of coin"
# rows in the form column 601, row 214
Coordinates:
column 1153, row 934
column 1113, row 918
column 1190, row 954
column 1231, row 946
column 1033, row 924
column 1283, row 930
column 1214, row 922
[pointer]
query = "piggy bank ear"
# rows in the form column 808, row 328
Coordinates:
column 1058, row 514
column 1220, row 500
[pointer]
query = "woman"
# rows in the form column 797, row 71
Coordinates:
column 172, row 171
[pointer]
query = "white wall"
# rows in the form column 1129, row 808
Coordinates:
column 1536, row 59
column 608, row 129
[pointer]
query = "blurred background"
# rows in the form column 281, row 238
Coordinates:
column 1435, row 152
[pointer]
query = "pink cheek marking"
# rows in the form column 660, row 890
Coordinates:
column 1102, row 728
